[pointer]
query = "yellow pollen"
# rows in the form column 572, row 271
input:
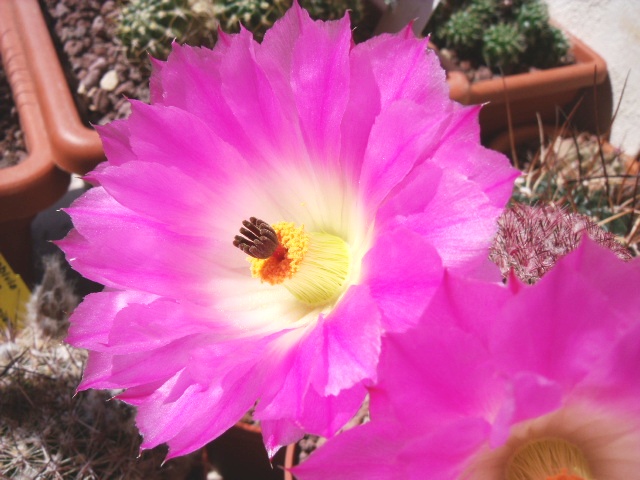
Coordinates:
column 548, row 459
column 286, row 260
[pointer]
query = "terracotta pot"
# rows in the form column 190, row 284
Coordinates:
column 528, row 94
column 290, row 460
column 36, row 182
column 239, row 454
column 76, row 148
column 505, row 142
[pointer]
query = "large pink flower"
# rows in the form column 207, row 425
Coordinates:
column 357, row 179
column 517, row 383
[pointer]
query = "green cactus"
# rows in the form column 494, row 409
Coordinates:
column 485, row 10
column 463, row 32
column 150, row 26
column 532, row 18
column 258, row 15
column 551, row 47
column 503, row 46
column 507, row 35
column 255, row 15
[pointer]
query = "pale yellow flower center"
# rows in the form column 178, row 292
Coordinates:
column 548, row 459
column 313, row 266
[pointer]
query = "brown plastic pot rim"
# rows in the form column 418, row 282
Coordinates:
column 76, row 148
column 589, row 69
column 35, row 182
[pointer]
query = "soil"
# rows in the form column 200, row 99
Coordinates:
column 477, row 73
column 99, row 73
column 12, row 143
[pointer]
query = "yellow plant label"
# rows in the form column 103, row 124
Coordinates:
column 14, row 295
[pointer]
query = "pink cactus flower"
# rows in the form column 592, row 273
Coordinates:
column 517, row 383
column 259, row 225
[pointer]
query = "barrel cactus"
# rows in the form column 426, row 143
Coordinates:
column 509, row 36
column 258, row 15
column 502, row 46
column 150, row 26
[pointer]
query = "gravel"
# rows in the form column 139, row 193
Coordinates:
column 99, row 73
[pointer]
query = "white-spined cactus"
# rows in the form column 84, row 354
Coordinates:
column 258, row 15
column 46, row 430
column 150, row 26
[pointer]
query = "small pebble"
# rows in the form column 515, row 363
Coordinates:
column 97, row 27
column 99, row 64
column 127, row 89
column 73, row 47
column 102, row 100
column 92, row 78
column 109, row 81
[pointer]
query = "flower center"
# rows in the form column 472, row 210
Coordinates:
column 548, row 459
column 313, row 266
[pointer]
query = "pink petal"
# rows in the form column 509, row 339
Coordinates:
column 275, row 54
column 296, row 351
column 156, row 90
column 200, row 355
column 351, row 334
column 278, row 433
column 289, row 394
column 269, row 122
column 460, row 150
column 403, row 134
column 132, row 322
column 115, row 139
column 454, row 203
column 178, row 139
column 403, row 271
column 91, row 321
column 320, row 84
column 324, row 415
column 385, row 69
column 107, row 371
column 166, row 263
column 179, row 413
column 459, row 221
column 622, row 378
column 556, row 329
column 444, row 452
column 188, row 82
column 180, row 207
column 449, row 370
column 531, row 396
column 361, row 110
column 367, row 452
column 404, row 69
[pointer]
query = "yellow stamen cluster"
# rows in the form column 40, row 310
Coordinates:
column 313, row 266
column 285, row 261
column 549, row 459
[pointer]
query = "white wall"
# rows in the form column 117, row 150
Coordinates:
column 611, row 28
